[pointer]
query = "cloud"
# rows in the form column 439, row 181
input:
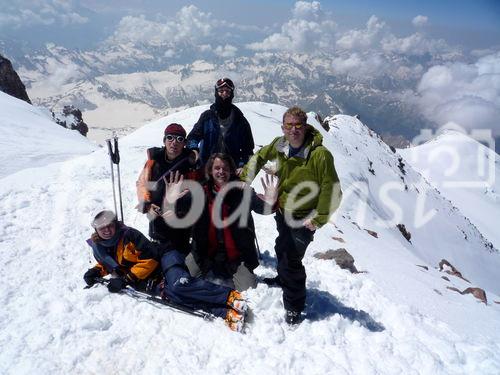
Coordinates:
column 365, row 38
column 189, row 25
column 308, row 30
column 226, row 51
column 467, row 94
column 358, row 65
column 416, row 45
column 419, row 21
column 22, row 13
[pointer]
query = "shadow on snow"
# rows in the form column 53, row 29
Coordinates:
column 321, row 304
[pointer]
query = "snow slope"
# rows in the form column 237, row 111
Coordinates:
column 395, row 318
column 29, row 137
column 466, row 172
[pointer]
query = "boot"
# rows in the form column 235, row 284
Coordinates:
column 293, row 317
column 272, row 281
column 234, row 320
column 236, row 301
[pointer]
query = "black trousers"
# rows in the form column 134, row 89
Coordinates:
column 290, row 247
column 179, row 237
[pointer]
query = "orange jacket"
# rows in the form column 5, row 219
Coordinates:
column 125, row 254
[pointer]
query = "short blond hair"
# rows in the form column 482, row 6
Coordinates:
column 297, row 112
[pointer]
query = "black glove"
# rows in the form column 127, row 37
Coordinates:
column 117, row 284
column 91, row 276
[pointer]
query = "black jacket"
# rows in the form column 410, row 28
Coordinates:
column 238, row 139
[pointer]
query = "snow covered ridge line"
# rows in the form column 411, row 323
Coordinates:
column 485, row 155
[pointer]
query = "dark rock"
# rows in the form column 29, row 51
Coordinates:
column 370, row 167
column 404, row 232
column 10, row 83
column 479, row 293
column 341, row 257
column 445, row 278
column 372, row 233
column 340, row 239
column 452, row 271
column 424, row 267
column 71, row 118
column 401, row 165
column 324, row 124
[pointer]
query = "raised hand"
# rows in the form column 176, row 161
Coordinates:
column 173, row 188
column 270, row 185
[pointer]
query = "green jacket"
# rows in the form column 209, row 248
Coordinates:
column 313, row 164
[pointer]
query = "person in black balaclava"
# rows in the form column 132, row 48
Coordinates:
column 222, row 128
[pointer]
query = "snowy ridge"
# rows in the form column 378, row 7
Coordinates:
column 395, row 318
column 464, row 171
column 30, row 138
column 430, row 218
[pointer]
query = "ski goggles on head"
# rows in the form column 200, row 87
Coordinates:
column 103, row 219
column 224, row 82
column 178, row 138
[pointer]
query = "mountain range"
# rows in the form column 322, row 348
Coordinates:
column 120, row 86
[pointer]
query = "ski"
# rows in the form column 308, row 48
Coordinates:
column 158, row 300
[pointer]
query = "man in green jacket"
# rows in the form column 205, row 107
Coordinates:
column 308, row 193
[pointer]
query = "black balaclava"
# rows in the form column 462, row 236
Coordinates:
column 223, row 106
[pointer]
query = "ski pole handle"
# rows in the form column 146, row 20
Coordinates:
column 116, row 155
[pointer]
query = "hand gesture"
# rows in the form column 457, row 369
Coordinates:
column 310, row 225
column 270, row 185
column 173, row 187
column 153, row 212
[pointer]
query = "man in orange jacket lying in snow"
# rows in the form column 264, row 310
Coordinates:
column 127, row 255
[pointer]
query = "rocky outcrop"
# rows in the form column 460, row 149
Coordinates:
column 406, row 234
column 479, row 293
column 10, row 83
column 341, row 257
column 447, row 267
column 71, row 118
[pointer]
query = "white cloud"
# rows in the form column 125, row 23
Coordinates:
column 419, row 21
column 310, row 29
column 20, row 13
column 226, row 51
column 416, row 44
column 365, row 38
column 467, row 94
column 189, row 25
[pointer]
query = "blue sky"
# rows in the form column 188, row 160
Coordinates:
column 468, row 23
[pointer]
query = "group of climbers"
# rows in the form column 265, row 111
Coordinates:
column 220, row 241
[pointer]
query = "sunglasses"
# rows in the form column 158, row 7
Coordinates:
column 178, row 138
column 290, row 125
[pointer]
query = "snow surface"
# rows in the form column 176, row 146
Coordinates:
column 30, row 138
column 394, row 318
column 467, row 173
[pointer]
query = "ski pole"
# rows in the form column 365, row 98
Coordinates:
column 110, row 152
column 117, row 162
column 114, row 156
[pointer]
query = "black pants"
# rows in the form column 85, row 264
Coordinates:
column 179, row 237
column 290, row 247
